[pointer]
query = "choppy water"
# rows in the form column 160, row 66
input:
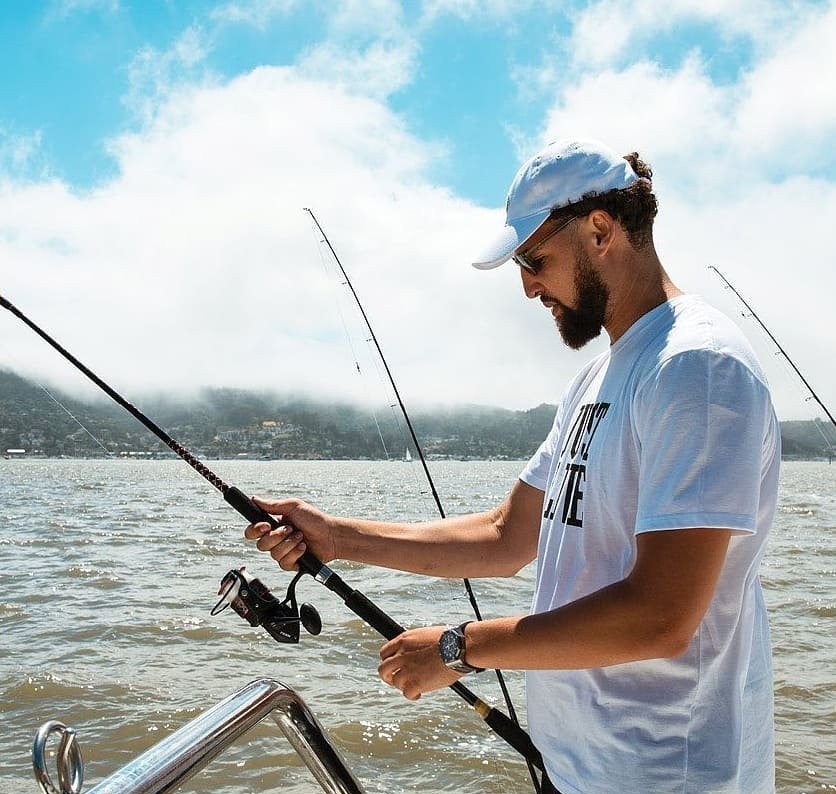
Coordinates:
column 108, row 570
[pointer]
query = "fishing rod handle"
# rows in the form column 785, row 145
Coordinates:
column 359, row 604
column 373, row 615
column 255, row 515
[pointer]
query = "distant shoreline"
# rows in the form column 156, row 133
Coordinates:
column 254, row 459
column 226, row 424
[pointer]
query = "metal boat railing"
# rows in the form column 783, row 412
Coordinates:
column 176, row 758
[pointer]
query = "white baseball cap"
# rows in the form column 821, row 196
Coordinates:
column 561, row 174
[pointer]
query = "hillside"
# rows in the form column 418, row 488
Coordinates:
column 229, row 423
column 224, row 423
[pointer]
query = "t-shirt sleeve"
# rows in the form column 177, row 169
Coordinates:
column 536, row 471
column 702, row 419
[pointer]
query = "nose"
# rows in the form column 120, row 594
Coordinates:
column 531, row 286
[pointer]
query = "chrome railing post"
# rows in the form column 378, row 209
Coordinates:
column 176, row 758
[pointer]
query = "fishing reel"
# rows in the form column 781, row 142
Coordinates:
column 254, row 602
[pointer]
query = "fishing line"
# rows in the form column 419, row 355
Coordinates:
column 829, row 442
column 74, row 418
column 350, row 342
column 286, row 613
column 468, row 588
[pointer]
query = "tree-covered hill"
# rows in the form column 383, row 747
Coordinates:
column 232, row 422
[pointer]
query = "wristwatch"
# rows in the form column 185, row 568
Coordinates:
column 451, row 649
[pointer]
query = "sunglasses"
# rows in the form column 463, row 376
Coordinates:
column 529, row 263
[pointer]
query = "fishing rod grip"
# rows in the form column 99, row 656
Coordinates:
column 373, row 615
column 255, row 515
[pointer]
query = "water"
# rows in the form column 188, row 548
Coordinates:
column 108, row 570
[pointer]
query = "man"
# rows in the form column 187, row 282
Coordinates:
column 647, row 508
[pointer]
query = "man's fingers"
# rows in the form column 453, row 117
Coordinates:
column 284, row 537
column 390, row 648
column 255, row 531
column 387, row 669
column 287, row 559
column 408, row 688
column 399, row 678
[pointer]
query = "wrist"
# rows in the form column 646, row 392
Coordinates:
column 340, row 534
column 452, row 648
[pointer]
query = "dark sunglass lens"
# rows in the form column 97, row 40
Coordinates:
column 524, row 262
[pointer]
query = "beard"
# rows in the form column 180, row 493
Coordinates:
column 582, row 324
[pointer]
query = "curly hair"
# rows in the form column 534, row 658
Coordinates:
column 634, row 207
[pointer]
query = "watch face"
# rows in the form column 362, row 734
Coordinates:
column 449, row 646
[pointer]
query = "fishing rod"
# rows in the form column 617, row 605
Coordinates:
column 287, row 615
column 75, row 419
column 389, row 376
column 776, row 343
column 420, row 452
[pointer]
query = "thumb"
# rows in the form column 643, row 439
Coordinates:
column 276, row 506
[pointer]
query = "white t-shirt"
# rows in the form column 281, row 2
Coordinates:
column 671, row 428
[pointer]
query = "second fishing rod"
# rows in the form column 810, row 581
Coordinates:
column 308, row 563
column 471, row 595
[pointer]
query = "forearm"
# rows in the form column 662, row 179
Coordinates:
column 494, row 543
column 462, row 546
column 611, row 626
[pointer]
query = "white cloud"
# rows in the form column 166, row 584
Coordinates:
column 257, row 13
column 365, row 18
column 19, row 153
column 367, row 49
column 609, row 30
column 377, row 70
column 777, row 119
column 152, row 73
column 196, row 264
column 669, row 113
column 433, row 10
column 343, row 17
column 789, row 109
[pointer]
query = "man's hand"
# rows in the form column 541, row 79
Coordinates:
column 302, row 527
column 411, row 663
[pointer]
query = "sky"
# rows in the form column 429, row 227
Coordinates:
column 156, row 158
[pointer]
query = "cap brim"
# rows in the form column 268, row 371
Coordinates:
column 511, row 238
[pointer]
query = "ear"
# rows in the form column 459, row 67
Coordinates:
column 603, row 229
